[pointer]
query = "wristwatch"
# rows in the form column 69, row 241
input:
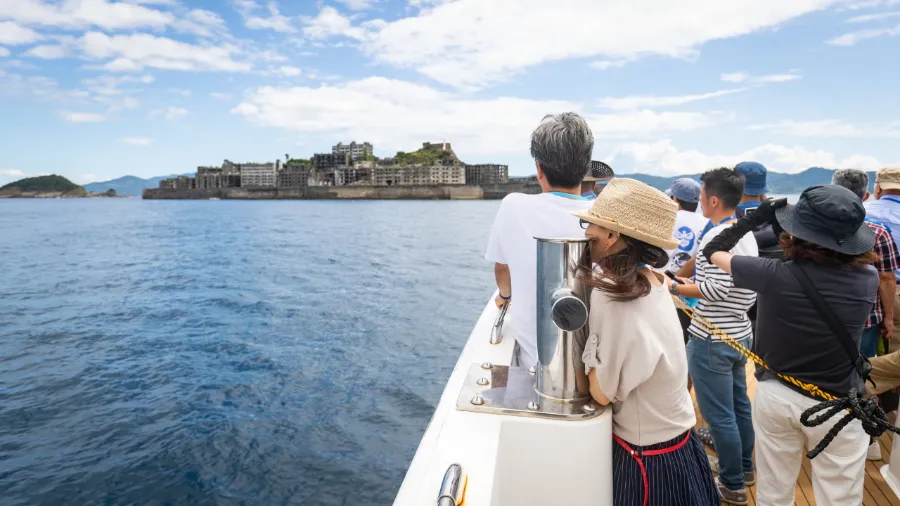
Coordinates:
column 673, row 289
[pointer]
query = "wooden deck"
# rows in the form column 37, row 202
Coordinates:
column 876, row 493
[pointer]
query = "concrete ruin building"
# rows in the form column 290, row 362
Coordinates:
column 356, row 151
column 487, row 173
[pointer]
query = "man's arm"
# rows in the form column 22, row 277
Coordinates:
column 504, row 283
column 887, row 288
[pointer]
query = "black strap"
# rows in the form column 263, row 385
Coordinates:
column 860, row 362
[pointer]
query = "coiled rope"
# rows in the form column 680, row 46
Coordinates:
column 867, row 411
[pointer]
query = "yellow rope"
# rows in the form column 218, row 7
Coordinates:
column 713, row 330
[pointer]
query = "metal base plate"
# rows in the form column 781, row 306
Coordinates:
column 505, row 390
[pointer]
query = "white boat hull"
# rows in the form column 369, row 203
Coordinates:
column 891, row 470
column 509, row 460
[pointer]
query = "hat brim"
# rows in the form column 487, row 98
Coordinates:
column 888, row 186
column 861, row 241
column 757, row 191
column 659, row 242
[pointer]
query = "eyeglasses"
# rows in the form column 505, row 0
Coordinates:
column 584, row 224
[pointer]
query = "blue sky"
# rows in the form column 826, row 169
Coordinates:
column 97, row 89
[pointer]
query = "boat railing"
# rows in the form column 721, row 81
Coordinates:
column 453, row 487
column 497, row 329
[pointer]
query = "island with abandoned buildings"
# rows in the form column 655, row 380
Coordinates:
column 350, row 171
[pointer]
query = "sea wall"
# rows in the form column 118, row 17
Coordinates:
column 432, row 192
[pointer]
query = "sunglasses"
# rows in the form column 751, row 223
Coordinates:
column 584, row 224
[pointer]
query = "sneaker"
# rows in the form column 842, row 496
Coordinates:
column 749, row 476
column 874, row 451
column 735, row 497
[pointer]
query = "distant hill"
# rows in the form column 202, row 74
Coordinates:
column 42, row 186
column 128, row 185
column 778, row 182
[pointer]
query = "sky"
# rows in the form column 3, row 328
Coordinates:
column 98, row 89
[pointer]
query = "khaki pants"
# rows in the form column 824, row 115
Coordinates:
column 837, row 473
column 886, row 368
column 885, row 373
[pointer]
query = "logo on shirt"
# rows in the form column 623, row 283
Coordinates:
column 685, row 237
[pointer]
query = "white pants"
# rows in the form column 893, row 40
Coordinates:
column 837, row 473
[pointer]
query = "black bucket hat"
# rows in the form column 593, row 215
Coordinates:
column 832, row 217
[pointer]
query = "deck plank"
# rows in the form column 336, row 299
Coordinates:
column 876, row 492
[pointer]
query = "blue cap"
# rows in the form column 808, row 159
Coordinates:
column 755, row 175
column 685, row 189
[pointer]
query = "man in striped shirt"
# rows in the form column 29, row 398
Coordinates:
column 719, row 371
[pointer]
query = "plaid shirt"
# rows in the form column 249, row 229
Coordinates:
column 887, row 252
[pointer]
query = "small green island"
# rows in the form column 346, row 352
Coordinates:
column 52, row 186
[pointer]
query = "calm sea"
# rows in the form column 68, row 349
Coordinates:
column 220, row 352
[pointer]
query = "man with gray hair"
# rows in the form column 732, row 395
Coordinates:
column 881, row 319
column 561, row 146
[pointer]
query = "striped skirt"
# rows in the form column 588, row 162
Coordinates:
column 680, row 477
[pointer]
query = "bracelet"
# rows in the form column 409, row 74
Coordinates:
column 674, row 289
column 504, row 298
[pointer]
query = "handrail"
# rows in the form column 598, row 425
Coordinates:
column 453, row 487
column 497, row 330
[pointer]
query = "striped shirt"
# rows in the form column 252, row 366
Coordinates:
column 722, row 304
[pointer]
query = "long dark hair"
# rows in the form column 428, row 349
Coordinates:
column 619, row 276
column 798, row 249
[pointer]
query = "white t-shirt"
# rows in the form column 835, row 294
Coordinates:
column 636, row 350
column 688, row 227
column 519, row 220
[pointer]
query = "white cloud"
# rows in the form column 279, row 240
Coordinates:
column 288, row 71
column 182, row 92
column 12, row 34
column 471, row 43
column 170, row 113
column 868, row 4
column 735, row 77
column 48, row 52
column 873, row 17
column 11, row 172
column 331, row 23
column 853, row 38
column 275, row 21
column 664, row 158
column 140, row 50
column 220, row 96
column 84, row 13
column 358, row 5
column 398, row 114
column 778, row 78
column 830, row 128
column 109, row 85
column 82, row 117
column 4, row 52
column 740, row 77
column 638, row 102
column 610, row 64
column 202, row 23
column 270, row 56
column 137, row 141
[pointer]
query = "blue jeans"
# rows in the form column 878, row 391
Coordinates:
column 868, row 345
column 720, row 384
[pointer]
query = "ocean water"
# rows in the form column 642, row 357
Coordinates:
column 225, row 353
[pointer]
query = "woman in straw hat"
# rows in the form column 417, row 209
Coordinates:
column 635, row 357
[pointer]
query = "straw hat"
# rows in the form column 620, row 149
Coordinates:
column 632, row 208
